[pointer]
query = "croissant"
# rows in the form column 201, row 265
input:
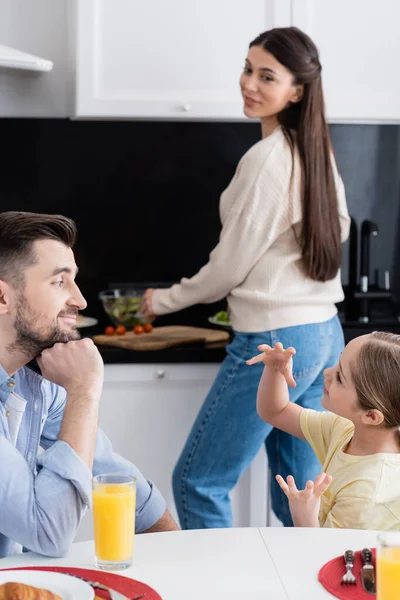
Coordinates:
column 20, row 591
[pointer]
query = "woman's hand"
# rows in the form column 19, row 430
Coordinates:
column 278, row 359
column 146, row 306
column 305, row 504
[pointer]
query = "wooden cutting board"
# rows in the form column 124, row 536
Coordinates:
column 163, row 337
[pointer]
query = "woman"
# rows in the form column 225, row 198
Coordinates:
column 278, row 260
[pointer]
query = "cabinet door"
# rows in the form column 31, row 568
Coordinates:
column 359, row 45
column 147, row 412
column 174, row 59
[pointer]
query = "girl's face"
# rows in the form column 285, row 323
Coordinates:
column 267, row 86
column 340, row 396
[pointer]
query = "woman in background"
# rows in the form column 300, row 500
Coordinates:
column 278, row 260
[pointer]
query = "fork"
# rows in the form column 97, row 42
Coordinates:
column 348, row 577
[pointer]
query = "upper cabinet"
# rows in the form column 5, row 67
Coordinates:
column 174, row 59
column 359, row 46
column 182, row 59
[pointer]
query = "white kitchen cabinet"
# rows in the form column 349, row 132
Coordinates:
column 359, row 46
column 147, row 412
column 172, row 60
column 181, row 60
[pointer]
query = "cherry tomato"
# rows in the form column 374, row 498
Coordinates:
column 121, row 330
column 148, row 327
column 138, row 329
column 110, row 330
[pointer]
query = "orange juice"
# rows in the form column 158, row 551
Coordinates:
column 114, row 521
column 388, row 574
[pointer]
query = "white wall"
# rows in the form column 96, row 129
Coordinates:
column 38, row 27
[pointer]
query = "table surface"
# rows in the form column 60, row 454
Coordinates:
column 226, row 564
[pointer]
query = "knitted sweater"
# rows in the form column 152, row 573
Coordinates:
column 257, row 263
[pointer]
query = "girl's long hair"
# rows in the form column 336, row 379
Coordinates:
column 376, row 377
column 320, row 234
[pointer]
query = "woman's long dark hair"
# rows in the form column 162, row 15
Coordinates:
column 320, row 234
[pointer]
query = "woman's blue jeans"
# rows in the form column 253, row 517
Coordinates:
column 228, row 432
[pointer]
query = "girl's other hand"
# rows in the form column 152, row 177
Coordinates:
column 305, row 504
column 278, row 359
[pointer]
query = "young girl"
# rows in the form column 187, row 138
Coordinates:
column 357, row 441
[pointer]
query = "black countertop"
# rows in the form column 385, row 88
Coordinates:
column 212, row 353
column 184, row 354
column 194, row 353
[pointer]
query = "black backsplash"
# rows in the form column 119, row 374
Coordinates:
column 145, row 194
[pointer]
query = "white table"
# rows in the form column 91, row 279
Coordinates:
column 298, row 554
column 232, row 564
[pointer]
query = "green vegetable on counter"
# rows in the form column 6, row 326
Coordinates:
column 222, row 316
column 124, row 310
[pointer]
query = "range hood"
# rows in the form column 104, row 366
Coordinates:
column 15, row 59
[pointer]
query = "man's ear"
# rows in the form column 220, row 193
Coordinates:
column 6, row 297
column 372, row 417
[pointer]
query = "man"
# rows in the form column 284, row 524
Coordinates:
column 43, row 497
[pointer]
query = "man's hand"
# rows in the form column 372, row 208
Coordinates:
column 78, row 367
column 73, row 365
column 277, row 359
column 305, row 504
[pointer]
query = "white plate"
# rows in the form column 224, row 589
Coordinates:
column 68, row 588
column 84, row 321
column 215, row 321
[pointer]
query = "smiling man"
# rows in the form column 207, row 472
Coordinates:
column 44, row 496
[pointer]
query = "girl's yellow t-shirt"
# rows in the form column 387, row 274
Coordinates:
column 365, row 490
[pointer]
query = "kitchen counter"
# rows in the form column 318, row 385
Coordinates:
column 212, row 353
column 194, row 353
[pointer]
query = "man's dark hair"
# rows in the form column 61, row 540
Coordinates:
column 18, row 232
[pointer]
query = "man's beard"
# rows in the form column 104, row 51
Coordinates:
column 31, row 337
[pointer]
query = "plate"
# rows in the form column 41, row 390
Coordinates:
column 83, row 321
column 67, row 587
column 215, row 321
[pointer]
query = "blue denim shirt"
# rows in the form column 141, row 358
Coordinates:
column 43, row 497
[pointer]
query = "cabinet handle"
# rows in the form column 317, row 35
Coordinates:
column 160, row 374
column 185, row 107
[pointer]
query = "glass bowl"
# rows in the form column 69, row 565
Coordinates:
column 123, row 306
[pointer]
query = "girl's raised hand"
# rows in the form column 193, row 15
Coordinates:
column 278, row 359
column 305, row 504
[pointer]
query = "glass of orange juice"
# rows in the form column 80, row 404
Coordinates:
column 388, row 566
column 114, row 505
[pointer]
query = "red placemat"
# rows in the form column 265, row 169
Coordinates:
column 331, row 573
column 134, row 590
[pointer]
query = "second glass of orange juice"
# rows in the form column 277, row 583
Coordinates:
column 114, row 505
column 388, row 566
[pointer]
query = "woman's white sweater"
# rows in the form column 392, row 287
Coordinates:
column 257, row 263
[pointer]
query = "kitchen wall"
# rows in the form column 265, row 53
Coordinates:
column 38, row 27
column 145, row 194
column 369, row 161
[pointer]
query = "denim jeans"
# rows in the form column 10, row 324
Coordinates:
column 228, row 432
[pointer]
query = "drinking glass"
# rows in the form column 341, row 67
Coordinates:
column 114, row 504
column 388, row 565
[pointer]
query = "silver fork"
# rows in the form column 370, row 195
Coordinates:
column 348, row 577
